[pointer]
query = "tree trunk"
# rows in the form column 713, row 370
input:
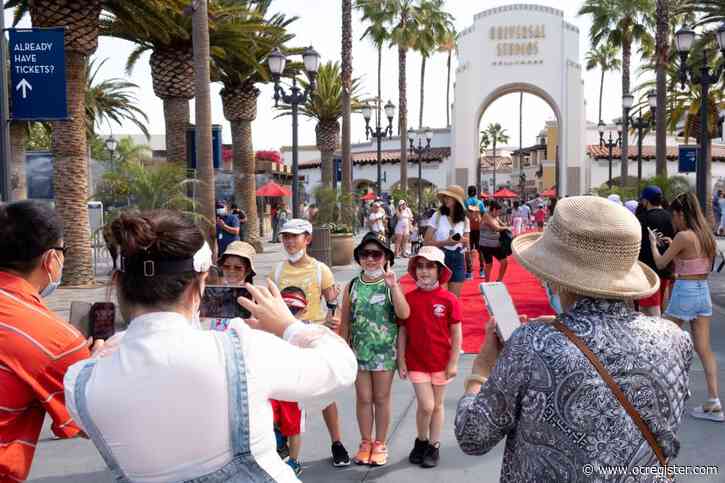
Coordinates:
column 422, row 91
column 601, row 94
column 244, row 178
column 403, row 119
column 347, row 166
column 448, row 91
column 18, row 176
column 624, row 159
column 176, row 117
column 202, row 114
column 662, row 48
column 70, row 175
column 326, row 161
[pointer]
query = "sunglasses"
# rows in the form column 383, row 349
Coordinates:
column 374, row 254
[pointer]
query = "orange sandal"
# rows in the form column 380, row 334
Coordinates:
column 363, row 453
column 379, row 455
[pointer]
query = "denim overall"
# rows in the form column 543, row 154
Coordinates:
column 243, row 467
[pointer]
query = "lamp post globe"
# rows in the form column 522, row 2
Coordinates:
column 652, row 99
column 627, row 100
column 311, row 59
column 111, row 144
column 367, row 112
column 390, row 111
column 276, row 61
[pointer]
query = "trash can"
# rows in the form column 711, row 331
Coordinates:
column 320, row 246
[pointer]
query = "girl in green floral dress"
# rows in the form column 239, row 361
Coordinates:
column 371, row 304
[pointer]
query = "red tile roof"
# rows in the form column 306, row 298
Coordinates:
column 391, row 156
column 648, row 152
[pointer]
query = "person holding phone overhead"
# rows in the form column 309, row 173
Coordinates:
column 36, row 345
column 205, row 414
column 371, row 303
column 316, row 279
column 450, row 229
column 611, row 382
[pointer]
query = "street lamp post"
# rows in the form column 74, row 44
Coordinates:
column 609, row 143
column 111, row 145
column 627, row 103
column 379, row 133
column 419, row 148
column 276, row 62
column 684, row 39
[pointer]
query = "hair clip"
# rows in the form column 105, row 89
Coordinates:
column 149, row 269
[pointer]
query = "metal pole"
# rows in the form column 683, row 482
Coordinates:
column 493, row 190
column 295, row 166
column 639, row 153
column 625, row 149
column 380, row 157
column 4, row 121
column 701, row 181
column 420, row 181
column 609, row 145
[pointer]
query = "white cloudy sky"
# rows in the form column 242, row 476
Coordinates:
column 319, row 25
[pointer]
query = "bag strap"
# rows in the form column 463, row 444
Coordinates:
column 616, row 390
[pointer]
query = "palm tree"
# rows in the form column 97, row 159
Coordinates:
column 482, row 148
column 603, row 57
column 240, row 70
column 621, row 23
column 325, row 106
column 662, row 46
column 403, row 35
column 433, row 26
column 496, row 134
column 448, row 45
column 347, row 103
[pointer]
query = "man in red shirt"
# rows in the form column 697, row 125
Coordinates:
column 36, row 346
column 429, row 345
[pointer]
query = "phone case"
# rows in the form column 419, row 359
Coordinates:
column 102, row 320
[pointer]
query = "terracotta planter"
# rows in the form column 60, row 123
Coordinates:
column 341, row 248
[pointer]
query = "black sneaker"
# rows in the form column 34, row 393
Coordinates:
column 339, row 455
column 416, row 456
column 431, row 457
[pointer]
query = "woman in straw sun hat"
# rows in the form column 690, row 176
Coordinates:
column 543, row 389
column 449, row 231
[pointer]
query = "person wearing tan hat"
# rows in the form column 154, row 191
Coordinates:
column 237, row 263
column 543, row 391
column 429, row 345
column 450, row 229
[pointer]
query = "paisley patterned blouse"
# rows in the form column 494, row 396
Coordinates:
column 556, row 412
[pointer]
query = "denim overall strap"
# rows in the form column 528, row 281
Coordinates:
column 237, row 387
column 90, row 427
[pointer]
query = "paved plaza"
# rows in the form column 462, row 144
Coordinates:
column 77, row 461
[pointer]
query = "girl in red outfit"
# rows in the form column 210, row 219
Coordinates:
column 429, row 345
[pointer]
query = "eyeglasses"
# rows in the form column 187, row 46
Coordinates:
column 60, row 249
column 295, row 310
column 374, row 254
column 425, row 266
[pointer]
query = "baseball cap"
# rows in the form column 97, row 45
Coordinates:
column 297, row 226
column 651, row 193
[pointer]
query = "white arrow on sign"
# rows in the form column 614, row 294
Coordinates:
column 25, row 86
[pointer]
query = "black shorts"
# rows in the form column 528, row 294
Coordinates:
column 473, row 239
column 489, row 252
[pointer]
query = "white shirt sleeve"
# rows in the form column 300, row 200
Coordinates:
column 310, row 365
column 69, row 386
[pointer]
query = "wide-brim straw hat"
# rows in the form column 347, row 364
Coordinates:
column 432, row 254
column 243, row 250
column 380, row 240
column 456, row 192
column 590, row 247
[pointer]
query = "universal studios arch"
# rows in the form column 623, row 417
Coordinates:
column 514, row 48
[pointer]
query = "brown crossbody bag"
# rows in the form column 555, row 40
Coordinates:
column 616, row 390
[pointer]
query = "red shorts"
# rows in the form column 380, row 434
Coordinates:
column 287, row 416
column 655, row 300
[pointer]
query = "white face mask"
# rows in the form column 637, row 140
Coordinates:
column 221, row 211
column 295, row 257
column 375, row 273
column 427, row 286
column 52, row 285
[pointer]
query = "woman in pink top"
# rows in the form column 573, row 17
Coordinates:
column 692, row 252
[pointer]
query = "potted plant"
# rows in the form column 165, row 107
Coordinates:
column 338, row 221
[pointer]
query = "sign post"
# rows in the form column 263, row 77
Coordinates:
column 687, row 158
column 37, row 74
column 4, row 130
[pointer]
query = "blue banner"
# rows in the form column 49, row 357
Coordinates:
column 687, row 158
column 37, row 74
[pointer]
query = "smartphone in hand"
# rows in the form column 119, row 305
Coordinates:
column 102, row 320
column 220, row 302
column 501, row 306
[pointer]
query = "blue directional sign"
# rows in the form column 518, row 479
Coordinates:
column 687, row 158
column 37, row 74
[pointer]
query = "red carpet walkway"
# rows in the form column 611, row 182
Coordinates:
column 528, row 295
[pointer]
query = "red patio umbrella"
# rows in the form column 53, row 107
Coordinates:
column 272, row 190
column 550, row 193
column 369, row 196
column 485, row 195
column 505, row 193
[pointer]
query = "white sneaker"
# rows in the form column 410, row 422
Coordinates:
column 712, row 414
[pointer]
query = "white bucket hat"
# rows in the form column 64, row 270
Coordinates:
column 590, row 247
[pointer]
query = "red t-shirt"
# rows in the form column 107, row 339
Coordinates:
column 428, row 333
column 540, row 215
